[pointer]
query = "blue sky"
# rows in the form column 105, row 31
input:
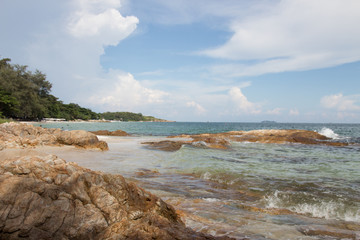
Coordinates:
column 204, row 60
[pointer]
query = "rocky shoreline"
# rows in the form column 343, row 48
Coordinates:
column 45, row 197
column 223, row 140
column 22, row 135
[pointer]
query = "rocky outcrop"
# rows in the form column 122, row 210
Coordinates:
column 20, row 135
column 223, row 140
column 169, row 146
column 110, row 133
column 329, row 232
column 43, row 197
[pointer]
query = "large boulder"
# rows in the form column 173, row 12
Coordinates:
column 80, row 138
column 21, row 135
column 43, row 197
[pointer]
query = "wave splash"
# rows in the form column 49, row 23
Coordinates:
column 328, row 132
column 328, row 209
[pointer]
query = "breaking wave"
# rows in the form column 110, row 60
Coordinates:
column 327, row 132
column 328, row 209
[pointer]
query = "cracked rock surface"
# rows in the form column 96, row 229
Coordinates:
column 44, row 197
column 21, row 135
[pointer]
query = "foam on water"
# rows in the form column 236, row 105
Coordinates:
column 222, row 178
column 210, row 199
column 320, row 209
column 327, row 132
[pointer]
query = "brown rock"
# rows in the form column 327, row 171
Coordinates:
column 210, row 141
column 110, row 133
column 20, row 135
column 147, row 173
column 169, row 146
column 43, row 197
column 329, row 232
column 222, row 140
column 80, row 138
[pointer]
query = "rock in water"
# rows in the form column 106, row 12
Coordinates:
column 80, row 138
column 43, row 197
column 223, row 140
column 110, row 133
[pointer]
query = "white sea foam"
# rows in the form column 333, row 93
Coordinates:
column 222, row 179
column 319, row 209
column 210, row 199
column 199, row 144
column 206, row 176
column 327, row 132
column 328, row 210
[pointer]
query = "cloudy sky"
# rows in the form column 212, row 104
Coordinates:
column 186, row 60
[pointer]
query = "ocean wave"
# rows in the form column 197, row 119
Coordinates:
column 328, row 132
column 320, row 208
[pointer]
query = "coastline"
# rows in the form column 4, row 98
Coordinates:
column 86, row 121
column 86, row 204
column 200, row 210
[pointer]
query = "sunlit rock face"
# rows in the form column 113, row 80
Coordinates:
column 44, row 197
column 110, row 133
column 223, row 140
column 20, row 135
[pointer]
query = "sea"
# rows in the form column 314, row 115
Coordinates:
column 250, row 191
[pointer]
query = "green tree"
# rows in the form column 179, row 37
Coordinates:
column 8, row 103
column 123, row 116
column 28, row 88
column 26, row 95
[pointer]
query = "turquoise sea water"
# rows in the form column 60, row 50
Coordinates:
column 176, row 128
column 241, row 192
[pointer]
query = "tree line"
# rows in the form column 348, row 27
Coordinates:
column 123, row 116
column 25, row 95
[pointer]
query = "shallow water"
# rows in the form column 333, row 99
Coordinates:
column 259, row 191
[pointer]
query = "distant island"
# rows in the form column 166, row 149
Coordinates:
column 25, row 95
column 267, row 121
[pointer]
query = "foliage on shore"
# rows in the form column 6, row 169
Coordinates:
column 4, row 120
column 127, row 116
column 25, row 95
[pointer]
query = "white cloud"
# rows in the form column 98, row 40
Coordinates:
column 69, row 46
column 275, row 111
column 198, row 108
column 242, row 104
column 341, row 103
column 125, row 92
column 109, row 26
column 294, row 112
column 293, row 35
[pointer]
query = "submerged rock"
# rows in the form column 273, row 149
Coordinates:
column 43, row 197
column 21, row 135
column 169, row 146
column 329, row 232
